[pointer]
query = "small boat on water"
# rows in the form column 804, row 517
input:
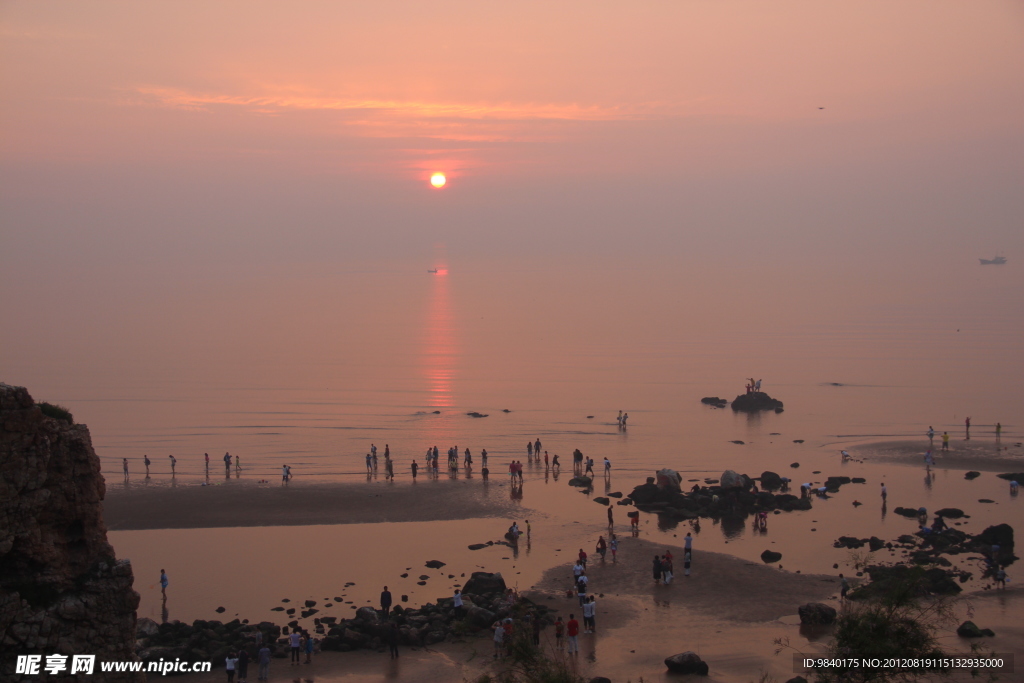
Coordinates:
column 432, row 271
column 997, row 261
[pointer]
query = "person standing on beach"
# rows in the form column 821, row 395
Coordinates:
column 656, row 569
column 945, row 441
column 467, row 461
column 607, row 466
column 145, row 459
column 415, row 467
column 614, row 545
column 238, row 464
column 931, row 433
column 688, row 542
column 230, row 662
column 844, row 587
column 602, row 546
column 124, row 463
column 227, row 462
column 264, row 661
column 967, row 427
column 174, row 462
column 385, row 601
column 885, row 492
column 163, row 583
column 686, row 563
column 625, row 416
column 559, row 633
column 206, row 458
column 369, row 464
column 243, row 665
column 389, row 470
column 572, row 628
column 554, row 462
column 387, row 452
column 999, row 430
column 294, row 642
column 611, row 520
column 483, row 458
column 529, row 450
column 536, row 448
column 499, row 639
column 589, row 612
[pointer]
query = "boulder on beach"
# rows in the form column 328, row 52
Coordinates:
column 687, row 663
column 1000, row 534
column 582, row 480
column 771, row 481
column 477, row 546
column 973, row 474
column 479, row 617
column 667, row 479
column 969, row 629
column 952, row 513
column 1012, row 476
column 770, row 557
column 732, row 480
column 434, row 564
column 481, row 583
column 754, row 402
column 794, row 465
column 816, row 613
column 797, row 679
column 368, row 615
column 602, row 500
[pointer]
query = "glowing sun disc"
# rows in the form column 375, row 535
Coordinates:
column 438, row 180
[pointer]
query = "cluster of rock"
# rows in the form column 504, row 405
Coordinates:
column 62, row 590
column 941, row 578
column 732, row 494
column 483, row 604
column 205, row 640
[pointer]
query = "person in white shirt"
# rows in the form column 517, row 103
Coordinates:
column 295, row 640
column 229, row 665
column 589, row 610
column 458, row 603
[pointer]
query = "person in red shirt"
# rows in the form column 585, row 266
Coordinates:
column 583, row 558
column 572, row 630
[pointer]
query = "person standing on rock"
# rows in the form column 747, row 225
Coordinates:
column 572, row 629
column 163, row 583
column 457, row 604
column 385, row 601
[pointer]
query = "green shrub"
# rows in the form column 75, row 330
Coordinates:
column 57, row 412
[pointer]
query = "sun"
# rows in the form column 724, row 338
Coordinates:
column 438, row 180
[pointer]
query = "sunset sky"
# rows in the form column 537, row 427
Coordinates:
column 145, row 135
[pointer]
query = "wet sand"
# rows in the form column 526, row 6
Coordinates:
column 241, row 504
column 977, row 454
column 720, row 585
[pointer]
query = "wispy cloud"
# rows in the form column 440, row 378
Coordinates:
column 414, row 109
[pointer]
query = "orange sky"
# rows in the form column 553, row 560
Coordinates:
column 302, row 111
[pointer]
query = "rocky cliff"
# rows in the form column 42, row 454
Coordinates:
column 62, row 591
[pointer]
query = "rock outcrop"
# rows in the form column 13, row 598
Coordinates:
column 816, row 613
column 62, row 591
column 687, row 663
column 756, row 401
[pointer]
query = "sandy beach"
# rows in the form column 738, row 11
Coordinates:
column 243, row 504
column 983, row 455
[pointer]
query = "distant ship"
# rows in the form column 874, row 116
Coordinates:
column 432, row 271
column 997, row 261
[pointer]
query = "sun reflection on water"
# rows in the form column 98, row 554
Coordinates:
column 440, row 353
